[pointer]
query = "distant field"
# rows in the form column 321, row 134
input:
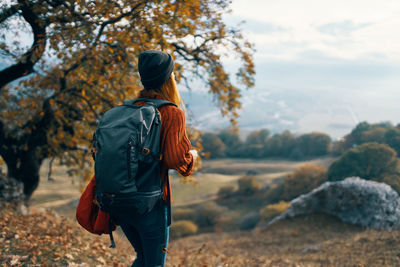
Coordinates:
column 62, row 194
column 221, row 172
column 261, row 166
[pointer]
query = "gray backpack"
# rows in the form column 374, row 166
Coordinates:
column 128, row 157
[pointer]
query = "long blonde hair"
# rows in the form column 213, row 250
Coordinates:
column 170, row 92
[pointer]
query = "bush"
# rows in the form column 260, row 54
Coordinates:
column 370, row 161
column 393, row 180
column 275, row 192
column 183, row 214
column 227, row 222
column 302, row 181
column 208, row 214
column 249, row 221
column 273, row 210
column 248, row 185
column 226, row 191
column 183, row 228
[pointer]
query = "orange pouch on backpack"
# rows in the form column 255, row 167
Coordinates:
column 89, row 215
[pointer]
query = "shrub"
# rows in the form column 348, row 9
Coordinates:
column 183, row 214
column 302, row 181
column 226, row 191
column 393, row 180
column 275, row 192
column 248, row 185
column 227, row 222
column 183, row 228
column 273, row 210
column 249, row 221
column 208, row 214
column 371, row 161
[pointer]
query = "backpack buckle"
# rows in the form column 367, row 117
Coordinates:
column 145, row 151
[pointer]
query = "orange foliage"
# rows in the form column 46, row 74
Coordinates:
column 91, row 66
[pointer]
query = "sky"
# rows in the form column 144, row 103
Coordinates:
column 321, row 66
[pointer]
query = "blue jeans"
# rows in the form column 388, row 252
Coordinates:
column 148, row 234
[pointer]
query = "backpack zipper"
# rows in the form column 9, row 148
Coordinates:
column 130, row 148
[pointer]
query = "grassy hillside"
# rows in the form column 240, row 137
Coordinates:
column 316, row 240
column 50, row 236
column 62, row 193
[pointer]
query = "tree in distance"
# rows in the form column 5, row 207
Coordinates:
column 370, row 161
column 83, row 61
column 212, row 144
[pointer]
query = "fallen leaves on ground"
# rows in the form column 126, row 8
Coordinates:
column 45, row 239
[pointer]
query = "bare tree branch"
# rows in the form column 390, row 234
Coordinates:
column 115, row 20
column 25, row 64
column 9, row 12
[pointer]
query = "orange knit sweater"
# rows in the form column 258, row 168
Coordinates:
column 175, row 144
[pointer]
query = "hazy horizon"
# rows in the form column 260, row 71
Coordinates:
column 320, row 67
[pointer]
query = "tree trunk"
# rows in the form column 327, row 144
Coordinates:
column 24, row 166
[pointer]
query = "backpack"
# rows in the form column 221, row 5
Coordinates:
column 128, row 157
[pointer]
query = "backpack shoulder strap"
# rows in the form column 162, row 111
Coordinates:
column 156, row 102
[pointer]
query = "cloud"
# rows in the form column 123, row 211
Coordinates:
column 345, row 27
column 256, row 26
column 339, row 29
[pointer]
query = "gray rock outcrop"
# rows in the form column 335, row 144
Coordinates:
column 353, row 200
column 10, row 189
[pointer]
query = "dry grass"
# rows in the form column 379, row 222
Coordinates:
column 262, row 166
column 43, row 239
column 316, row 240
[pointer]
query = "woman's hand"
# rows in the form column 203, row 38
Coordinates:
column 194, row 154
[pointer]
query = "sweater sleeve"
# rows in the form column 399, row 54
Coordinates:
column 176, row 144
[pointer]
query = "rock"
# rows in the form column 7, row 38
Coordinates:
column 11, row 190
column 353, row 200
column 311, row 249
column 249, row 221
column 23, row 210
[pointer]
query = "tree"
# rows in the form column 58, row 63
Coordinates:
column 258, row 137
column 232, row 142
column 314, row 144
column 392, row 138
column 213, row 145
column 370, row 161
column 83, row 62
column 383, row 133
column 279, row 145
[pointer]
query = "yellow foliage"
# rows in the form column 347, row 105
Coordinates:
column 302, row 181
column 273, row 210
column 97, row 48
column 183, row 228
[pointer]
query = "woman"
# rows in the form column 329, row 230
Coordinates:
column 148, row 233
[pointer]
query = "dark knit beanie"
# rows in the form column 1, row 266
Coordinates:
column 155, row 67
